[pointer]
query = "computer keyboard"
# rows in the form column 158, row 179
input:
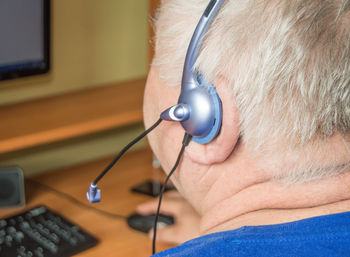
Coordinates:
column 40, row 232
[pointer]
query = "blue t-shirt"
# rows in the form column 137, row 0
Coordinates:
column 313, row 237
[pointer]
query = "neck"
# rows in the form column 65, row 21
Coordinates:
column 278, row 216
column 256, row 198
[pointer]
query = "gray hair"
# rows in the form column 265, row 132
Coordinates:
column 288, row 63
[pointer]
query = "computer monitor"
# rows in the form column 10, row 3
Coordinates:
column 24, row 38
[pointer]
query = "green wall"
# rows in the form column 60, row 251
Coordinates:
column 93, row 43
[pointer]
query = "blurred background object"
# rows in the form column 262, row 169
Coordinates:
column 94, row 44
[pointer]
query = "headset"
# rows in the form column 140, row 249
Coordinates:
column 199, row 108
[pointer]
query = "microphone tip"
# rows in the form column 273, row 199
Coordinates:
column 93, row 195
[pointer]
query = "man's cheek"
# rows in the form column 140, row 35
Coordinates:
column 150, row 108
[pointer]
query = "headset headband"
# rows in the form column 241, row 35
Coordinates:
column 203, row 25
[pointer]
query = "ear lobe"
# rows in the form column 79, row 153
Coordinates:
column 222, row 146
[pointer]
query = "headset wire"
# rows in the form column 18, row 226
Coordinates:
column 120, row 154
column 185, row 142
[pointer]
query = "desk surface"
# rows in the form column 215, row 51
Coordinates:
column 116, row 238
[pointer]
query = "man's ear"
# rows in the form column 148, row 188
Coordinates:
column 223, row 145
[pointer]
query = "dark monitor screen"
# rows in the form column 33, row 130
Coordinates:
column 24, row 38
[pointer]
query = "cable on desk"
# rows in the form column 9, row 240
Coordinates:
column 76, row 201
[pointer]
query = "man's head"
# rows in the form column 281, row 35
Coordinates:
column 285, row 65
column 282, row 70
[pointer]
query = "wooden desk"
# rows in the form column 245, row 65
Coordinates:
column 70, row 115
column 116, row 238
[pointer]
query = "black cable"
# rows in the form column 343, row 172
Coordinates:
column 185, row 142
column 76, row 201
column 143, row 134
